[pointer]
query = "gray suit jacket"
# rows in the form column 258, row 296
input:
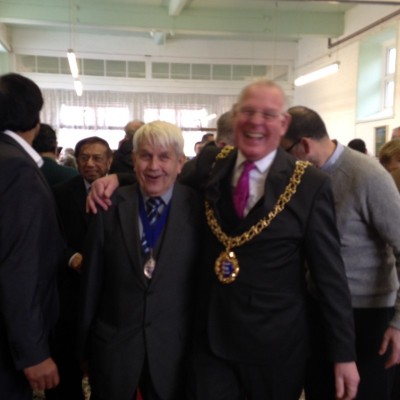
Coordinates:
column 126, row 318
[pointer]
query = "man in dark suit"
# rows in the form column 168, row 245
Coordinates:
column 45, row 144
column 31, row 246
column 253, row 340
column 252, row 325
column 93, row 155
column 139, row 276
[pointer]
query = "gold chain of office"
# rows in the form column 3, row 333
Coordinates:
column 227, row 265
column 284, row 198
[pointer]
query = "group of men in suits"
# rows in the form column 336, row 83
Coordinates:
column 251, row 336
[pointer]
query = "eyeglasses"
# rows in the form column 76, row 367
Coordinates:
column 290, row 148
column 267, row 115
column 96, row 158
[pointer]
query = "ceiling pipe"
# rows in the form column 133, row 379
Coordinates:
column 362, row 30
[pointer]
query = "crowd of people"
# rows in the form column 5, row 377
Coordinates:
column 265, row 267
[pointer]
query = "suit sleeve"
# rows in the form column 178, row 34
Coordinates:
column 92, row 275
column 328, row 276
column 24, row 213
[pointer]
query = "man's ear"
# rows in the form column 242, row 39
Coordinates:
column 307, row 144
column 286, row 118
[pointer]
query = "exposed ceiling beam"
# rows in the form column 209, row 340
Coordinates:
column 176, row 6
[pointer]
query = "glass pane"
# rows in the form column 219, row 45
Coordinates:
column 241, row 72
column 389, row 94
column 278, row 73
column 180, row 71
column 116, row 68
column 26, row 63
column 259, row 71
column 160, row 70
column 391, row 61
column 201, row 71
column 221, row 72
column 93, row 67
column 47, row 65
column 136, row 69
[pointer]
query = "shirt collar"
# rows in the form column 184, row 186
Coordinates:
column 334, row 157
column 167, row 196
column 262, row 165
column 26, row 146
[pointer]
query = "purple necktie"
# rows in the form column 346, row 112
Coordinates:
column 241, row 192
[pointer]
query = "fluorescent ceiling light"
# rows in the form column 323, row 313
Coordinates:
column 78, row 87
column 318, row 74
column 73, row 65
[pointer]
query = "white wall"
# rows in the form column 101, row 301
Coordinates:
column 334, row 97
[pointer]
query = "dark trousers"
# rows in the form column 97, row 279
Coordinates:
column 64, row 354
column 213, row 378
column 376, row 382
column 13, row 384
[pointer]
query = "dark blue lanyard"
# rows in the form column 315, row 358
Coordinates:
column 152, row 232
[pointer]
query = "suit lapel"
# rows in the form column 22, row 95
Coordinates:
column 128, row 213
column 219, row 192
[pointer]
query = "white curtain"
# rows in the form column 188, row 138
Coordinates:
column 136, row 103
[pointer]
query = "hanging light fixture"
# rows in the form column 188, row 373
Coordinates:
column 318, row 74
column 78, row 87
column 73, row 65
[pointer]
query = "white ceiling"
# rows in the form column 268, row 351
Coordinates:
column 176, row 19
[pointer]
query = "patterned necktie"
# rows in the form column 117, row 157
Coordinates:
column 242, row 190
column 153, row 213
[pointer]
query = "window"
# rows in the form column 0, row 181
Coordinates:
column 376, row 76
column 388, row 79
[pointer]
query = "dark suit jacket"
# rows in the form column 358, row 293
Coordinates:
column 261, row 318
column 30, row 249
column 56, row 173
column 122, row 158
column 124, row 317
column 71, row 202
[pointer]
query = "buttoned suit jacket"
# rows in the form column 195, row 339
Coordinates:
column 126, row 318
column 261, row 318
column 31, row 246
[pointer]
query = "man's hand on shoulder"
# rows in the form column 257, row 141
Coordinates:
column 346, row 380
column 100, row 193
column 42, row 376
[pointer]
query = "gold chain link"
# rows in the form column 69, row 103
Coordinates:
column 232, row 242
